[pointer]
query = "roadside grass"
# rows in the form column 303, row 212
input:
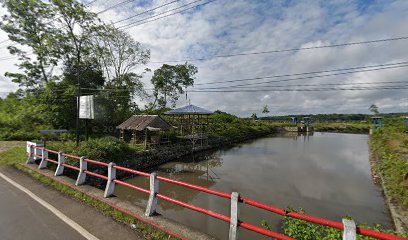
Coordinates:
column 147, row 231
column 15, row 154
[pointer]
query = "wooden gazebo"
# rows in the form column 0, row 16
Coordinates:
column 190, row 121
column 141, row 125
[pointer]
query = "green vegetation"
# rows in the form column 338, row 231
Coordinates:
column 98, row 57
column 147, row 231
column 342, row 127
column 302, row 230
column 225, row 126
column 106, row 149
column 391, row 145
column 12, row 156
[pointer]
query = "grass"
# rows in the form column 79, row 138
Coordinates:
column 342, row 127
column 391, row 145
column 12, row 152
column 148, row 232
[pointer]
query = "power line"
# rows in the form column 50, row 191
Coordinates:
column 329, row 84
column 304, row 73
column 302, row 90
column 386, row 66
column 90, row 3
column 149, row 10
column 278, row 86
column 115, row 6
column 287, row 50
column 308, row 77
column 143, row 21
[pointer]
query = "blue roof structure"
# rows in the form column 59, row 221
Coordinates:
column 189, row 110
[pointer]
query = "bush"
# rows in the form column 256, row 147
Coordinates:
column 106, row 149
column 19, row 135
column 302, row 230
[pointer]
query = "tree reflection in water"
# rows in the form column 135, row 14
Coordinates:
column 199, row 169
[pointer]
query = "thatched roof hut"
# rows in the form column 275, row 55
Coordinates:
column 140, row 125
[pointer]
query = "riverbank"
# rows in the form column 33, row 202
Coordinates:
column 224, row 131
column 342, row 127
column 389, row 159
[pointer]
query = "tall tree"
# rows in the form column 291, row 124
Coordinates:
column 29, row 25
column 265, row 109
column 76, row 25
column 374, row 109
column 171, row 81
column 118, row 53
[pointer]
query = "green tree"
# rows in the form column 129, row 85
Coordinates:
column 76, row 26
column 254, row 116
column 265, row 110
column 118, row 53
column 171, row 81
column 60, row 97
column 29, row 23
column 374, row 109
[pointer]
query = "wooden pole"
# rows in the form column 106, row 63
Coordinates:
column 145, row 143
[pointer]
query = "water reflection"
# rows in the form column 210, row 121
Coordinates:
column 326, row 174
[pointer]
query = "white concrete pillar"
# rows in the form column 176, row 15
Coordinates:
column 30, row 157
column 154, row 189
column 60, row 167
column 233, row 231
column 349, row 232
column 83, row 166
column 43, row 163
column 110, row 185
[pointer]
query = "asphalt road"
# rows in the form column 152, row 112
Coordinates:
column 21, row 217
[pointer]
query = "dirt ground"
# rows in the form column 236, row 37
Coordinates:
column 6, row 145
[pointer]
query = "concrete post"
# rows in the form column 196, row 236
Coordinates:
column 233, row 231
column 110, row 185
column 60, row 167
column 154, row 189
column 349, row 232
column 83, row 166
column 30, row 157
column 43, row 163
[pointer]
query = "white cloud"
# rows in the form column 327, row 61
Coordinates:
column 225, row 27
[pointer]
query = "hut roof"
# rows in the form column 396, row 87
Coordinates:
column 189, row 109
column 142, row 122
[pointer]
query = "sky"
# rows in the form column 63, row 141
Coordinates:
column 224, row 27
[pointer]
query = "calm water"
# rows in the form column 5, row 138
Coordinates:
column 327, row 174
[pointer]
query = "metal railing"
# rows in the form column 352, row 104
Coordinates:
column 347, row 226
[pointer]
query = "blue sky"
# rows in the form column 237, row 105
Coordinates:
column 227, row 26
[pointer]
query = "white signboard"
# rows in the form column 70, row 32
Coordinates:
column 86, row 107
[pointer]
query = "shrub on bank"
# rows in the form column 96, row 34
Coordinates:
column 19, row 135
column 303, row 230
column 106, row 149
column 390, row 145
column 342, row 127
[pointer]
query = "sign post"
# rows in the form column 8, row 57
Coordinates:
column 86, row 110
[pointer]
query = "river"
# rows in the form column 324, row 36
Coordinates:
column 327, row 174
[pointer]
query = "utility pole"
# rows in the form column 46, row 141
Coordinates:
column 78, row 105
